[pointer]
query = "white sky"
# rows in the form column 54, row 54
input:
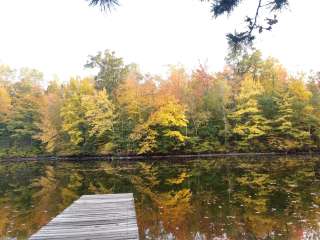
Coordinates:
column 56, row 36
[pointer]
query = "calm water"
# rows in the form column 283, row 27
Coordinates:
column 265, row 198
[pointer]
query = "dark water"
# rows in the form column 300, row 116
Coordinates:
column 265, row 198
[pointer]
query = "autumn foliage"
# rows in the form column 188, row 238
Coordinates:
column 253, row 105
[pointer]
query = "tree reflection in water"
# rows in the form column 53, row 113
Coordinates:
column 226, row 198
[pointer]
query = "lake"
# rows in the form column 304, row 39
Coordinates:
column 220, row 198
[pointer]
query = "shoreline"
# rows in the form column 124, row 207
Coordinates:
column 150, row 157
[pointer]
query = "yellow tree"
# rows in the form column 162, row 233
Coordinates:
column 99, row 113
column 51, row 134
column 73, row 112
column 5, row 103
column 175, row 86
column 135, row 102
column 87, row 117
column 163, row 132
column 5, row 108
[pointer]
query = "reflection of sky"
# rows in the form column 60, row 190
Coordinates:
column 57, row 36
column 300, row 234
column 309, row 234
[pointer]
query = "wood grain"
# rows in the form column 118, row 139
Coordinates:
column 103, row 216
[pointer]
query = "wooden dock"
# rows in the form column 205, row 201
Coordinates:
column 106, row 216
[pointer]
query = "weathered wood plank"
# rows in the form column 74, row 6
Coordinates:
column 103, row 216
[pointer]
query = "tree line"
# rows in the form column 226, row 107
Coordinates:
column 252, row 105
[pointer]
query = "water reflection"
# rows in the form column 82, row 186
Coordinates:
column 271, row 198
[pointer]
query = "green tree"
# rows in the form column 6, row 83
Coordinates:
column 284, row 135
column 207, row 100
column 25, row 117
column 293, row 124
column 314, row 87
column 302, row 110
column 217, row 102
column 7, row 75
column 250, row 127
column 111, row 70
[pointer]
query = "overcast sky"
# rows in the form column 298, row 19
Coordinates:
column 56, row 36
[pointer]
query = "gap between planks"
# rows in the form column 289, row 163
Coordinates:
column 103, row 216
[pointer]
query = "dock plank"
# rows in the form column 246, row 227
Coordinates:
column 102, row 216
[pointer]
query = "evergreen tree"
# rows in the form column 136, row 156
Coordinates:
column 25, row 116
column 250, row 127
column 286, row 135
column 314, row 87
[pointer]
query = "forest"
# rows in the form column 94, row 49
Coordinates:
column 253, row 105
